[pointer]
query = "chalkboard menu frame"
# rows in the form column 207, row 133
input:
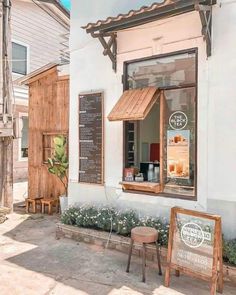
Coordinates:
column 87, row 95
column 215, row 276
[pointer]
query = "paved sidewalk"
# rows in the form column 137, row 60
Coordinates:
column 33, row 262
column 20, row 191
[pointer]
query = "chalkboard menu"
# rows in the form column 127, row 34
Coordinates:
column 91, row 138
column 195, row 246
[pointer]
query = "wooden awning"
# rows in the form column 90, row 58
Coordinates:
column 134, row 104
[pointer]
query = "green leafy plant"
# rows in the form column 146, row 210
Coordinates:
column 58, row 165
column 229, row 251
column 110, row 219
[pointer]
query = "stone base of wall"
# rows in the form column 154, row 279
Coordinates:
column 106, row 240
column 119, row 243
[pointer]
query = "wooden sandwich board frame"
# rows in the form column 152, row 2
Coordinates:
column 215, row 278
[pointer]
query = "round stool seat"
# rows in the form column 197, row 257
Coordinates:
column 144, row 234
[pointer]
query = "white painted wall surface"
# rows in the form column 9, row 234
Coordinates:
column 90, row 70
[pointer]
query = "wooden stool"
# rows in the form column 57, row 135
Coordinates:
column 34, row 203
column 50, row 203
column 144, row 235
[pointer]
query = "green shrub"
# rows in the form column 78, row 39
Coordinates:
column 110, row 219
column 229, row 251
column 106, row 218
column 69, row 216
column 125, row 221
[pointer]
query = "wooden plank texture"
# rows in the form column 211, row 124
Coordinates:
column 48, row 113
column 134, row 104
column 141, row 186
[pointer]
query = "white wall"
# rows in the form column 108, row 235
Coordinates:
column 222, row 103
column 90, row 70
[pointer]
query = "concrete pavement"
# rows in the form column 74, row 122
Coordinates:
column 33, row 262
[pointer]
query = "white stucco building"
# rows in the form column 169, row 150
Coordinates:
column 170, row 47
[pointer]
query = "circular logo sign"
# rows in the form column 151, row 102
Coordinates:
column 192, row 235
column 178, row 120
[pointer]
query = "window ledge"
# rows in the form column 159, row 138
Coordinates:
column 23, row 160
column 141, row 186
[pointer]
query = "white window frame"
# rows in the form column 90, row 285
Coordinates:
column 20, row 158
column 27, row 54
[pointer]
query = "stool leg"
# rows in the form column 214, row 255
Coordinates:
column 34, row 207
column 130, row 253
column 50, row 209
column 158, row 259
column 43, row 208
column 177, row 273
column 144, row 262
column 57, row 206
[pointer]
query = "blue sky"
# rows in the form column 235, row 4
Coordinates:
column 66, row 3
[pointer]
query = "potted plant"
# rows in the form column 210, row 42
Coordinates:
column 58, row 165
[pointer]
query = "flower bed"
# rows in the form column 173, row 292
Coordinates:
column 112, row 220
column 121, row 222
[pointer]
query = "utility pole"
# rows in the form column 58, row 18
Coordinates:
column 6, row 114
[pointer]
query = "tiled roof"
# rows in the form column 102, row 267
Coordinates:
column 128, row 15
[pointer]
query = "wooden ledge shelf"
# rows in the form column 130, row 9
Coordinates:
column 145, row 186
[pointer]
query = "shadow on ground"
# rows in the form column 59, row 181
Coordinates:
column 35, row 262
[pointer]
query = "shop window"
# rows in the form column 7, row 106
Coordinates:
column 160, row 149
column 19, row 58
column 24, row 137
column 48, row 144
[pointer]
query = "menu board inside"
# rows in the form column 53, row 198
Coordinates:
column 91, row 138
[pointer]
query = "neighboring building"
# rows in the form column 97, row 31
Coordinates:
column 182, row 120
column 40, row 33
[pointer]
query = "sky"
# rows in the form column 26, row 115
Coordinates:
column 66, row 3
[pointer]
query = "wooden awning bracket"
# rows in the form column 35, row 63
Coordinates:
column 205, row 12
column 109, row 45
column 108, row 37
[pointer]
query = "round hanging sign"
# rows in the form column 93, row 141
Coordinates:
column 178, row 120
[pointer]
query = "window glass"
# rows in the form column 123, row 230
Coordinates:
column 143, row 145
column 175, row 70
column 146, row 139
column 19, row 59
column 24, row 137
column 180, row 141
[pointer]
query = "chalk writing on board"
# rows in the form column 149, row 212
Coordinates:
column 90, row 138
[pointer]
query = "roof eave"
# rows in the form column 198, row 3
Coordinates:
column 57, row 4
column 175, row 8
column 62, row 9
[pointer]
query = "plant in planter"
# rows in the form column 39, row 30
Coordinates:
column 58, row 165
